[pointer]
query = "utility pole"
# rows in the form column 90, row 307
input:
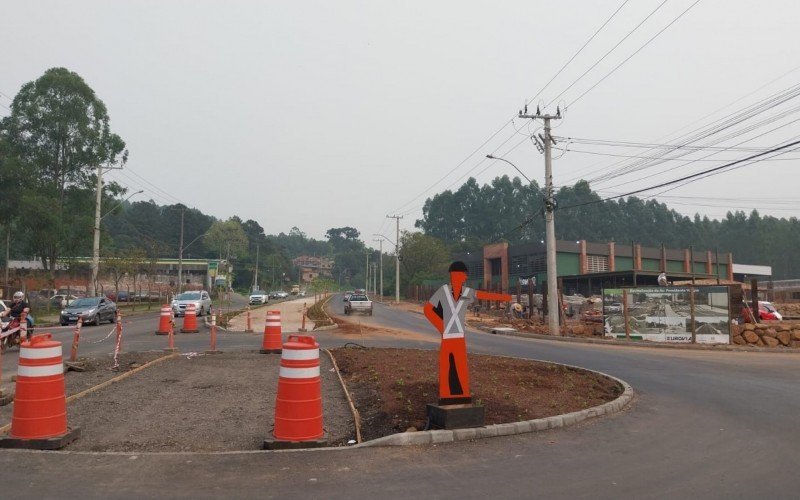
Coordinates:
column 180, row 254
column 366, row 276
column 396, row 258
column 96, row 243
column 544, row 142
column 374, row 278
column 255, row 274
column 380, row 251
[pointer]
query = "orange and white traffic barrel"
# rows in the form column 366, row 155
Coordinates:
column 271, row 343
column 298, row 404
column 164, row 320
column 39, row 419
column 190, row 320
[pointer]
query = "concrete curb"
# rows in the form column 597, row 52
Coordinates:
column 489, row 431
column 643, row 343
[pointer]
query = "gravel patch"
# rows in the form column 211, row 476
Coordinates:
column 199, row 403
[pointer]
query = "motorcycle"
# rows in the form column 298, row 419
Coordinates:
column 10, row 333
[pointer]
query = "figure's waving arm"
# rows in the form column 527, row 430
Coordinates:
column 483, row 295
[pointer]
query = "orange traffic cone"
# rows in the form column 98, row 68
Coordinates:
column 190, row 320
column 39, row 419
column 163, row 323
column 272, row 333
column 298, row 405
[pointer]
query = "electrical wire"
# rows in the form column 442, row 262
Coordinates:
column 631, row 32
column 688, row 177
column 637, row 51
column 510, row 121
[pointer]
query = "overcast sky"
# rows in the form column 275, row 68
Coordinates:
column 328, row 114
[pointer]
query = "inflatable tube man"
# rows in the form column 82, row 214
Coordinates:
column 447, row 310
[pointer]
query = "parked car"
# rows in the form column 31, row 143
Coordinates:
column 767, row 312
column 94, row 310
column 280, row 294
column 259, row 297
column 200, row 299
column 614, row 307
column 62, row 301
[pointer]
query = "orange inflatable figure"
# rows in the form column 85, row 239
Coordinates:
column 447, row 310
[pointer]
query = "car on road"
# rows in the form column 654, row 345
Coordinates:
column 94, row 310
column 200, row 298
column 358, row 303
column 280, row 294
column 258, row 297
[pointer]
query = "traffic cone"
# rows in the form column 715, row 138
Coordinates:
column 163, row 323
column 190, row 320
column 298, row 404
column 39, row 419
column 272, row 333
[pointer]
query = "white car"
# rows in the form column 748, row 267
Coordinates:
column 259, row 297
column 200, row 299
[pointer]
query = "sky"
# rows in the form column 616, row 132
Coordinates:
column 321, row 114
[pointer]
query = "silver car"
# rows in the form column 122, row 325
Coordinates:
column 201, row 300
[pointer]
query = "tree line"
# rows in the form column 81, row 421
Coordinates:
column 510, row 210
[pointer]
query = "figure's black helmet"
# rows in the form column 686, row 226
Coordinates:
column 457, row 266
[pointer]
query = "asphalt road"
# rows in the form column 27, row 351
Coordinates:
column 703, row 425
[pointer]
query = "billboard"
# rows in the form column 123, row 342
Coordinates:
column 664, row 314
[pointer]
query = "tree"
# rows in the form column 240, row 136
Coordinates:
column 228, row 238
column 59, row 133
column 422, row 257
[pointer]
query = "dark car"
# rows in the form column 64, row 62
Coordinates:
column 94, row 310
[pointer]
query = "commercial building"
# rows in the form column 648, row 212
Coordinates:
column 587, row 268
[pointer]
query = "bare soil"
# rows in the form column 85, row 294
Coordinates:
column 391, row 387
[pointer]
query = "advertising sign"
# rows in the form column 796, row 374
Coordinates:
column 664, row 314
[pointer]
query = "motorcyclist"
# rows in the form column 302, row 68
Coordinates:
column 17, row 307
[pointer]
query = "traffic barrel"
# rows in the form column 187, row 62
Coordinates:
column 164, row 320
column 39, row 419
column 298, row 404
column 190, row 320
column 272, row 333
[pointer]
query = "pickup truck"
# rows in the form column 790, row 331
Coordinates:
column 358, row 303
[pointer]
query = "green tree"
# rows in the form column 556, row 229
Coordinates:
column 421, row 257
column 228, row 238
column 59, row 134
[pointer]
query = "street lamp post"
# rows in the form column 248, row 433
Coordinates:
column 97, row 219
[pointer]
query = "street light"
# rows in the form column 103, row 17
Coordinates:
column 550, row 237
column 96, row 243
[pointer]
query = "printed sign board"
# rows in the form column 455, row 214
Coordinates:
column 664, row 314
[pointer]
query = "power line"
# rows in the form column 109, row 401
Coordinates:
column 637, row 51
column 510, row 121
column 688, row 177
column 631, row 32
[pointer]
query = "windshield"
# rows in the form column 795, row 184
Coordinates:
column 87, row 302
column 188, row 296
column 769, row 307
column 358, row 298
column 259, row 292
